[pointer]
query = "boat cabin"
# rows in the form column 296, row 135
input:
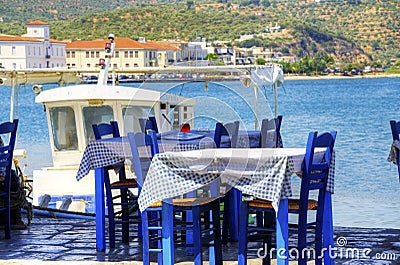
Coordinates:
column 72, row 110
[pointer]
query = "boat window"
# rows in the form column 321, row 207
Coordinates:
column 95, row 115
column 63, row 125
column 131, row 116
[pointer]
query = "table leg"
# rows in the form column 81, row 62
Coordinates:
column 167, row 232
column 327, row 230
column 282, row 234
column 100, row 209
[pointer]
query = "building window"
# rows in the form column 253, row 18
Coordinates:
column 87, row 54
column 72, row 54
column 127, row 65
column 88, row 65
column 126, row 54
column 68, row 55
column 130, row 54
column 136, row 54
column 13, row 50
column 136, row 65
column 116, row 54
column 115, row 65
column 97, row 54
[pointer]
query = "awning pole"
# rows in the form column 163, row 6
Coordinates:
column 12, row 96
column 275, row 100
column 255, row 107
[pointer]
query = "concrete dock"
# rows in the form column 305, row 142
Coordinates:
column 73, row 241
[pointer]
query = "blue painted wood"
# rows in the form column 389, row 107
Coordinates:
column 100, row 131
column 148, row 124
column 282, row 234
column 395, row 127
column 314, row 177
column 328, row 231
column 243, row 223
column 8, row 129
column 167, row 232
column 198, row 260
column 231, row 204
column 166, row 244
column 100, row 209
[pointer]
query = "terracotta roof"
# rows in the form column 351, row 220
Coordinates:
column 161, row 46
column 17, row 38
column 58, row 41
column 37, row 22
column 121, row 43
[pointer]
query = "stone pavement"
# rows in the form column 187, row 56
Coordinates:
column 72, row 241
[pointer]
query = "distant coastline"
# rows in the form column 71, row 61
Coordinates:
column 323, row 77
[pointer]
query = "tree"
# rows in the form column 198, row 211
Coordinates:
column 212, row 57
column 261, row 61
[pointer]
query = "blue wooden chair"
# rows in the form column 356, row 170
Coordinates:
column 314, row 178
column 229, row 129
column 232, row 196
column 148, row 124
column 151, row 217
column 270, row 133
column 120, row 216
column 395, row 127
column 8, row 129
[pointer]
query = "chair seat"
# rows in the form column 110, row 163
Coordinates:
column 186, row 202
column 293, row 204
column 124, row 183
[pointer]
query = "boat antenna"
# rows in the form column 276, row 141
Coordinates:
column 105, row 63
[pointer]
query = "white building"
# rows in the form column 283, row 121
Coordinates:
column 32, row 50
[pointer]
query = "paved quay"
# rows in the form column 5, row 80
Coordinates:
column 72, row 241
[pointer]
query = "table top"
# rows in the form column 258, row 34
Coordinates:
column 114, row 151
column 261, row 172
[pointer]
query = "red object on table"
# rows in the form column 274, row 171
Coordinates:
column 185, row 128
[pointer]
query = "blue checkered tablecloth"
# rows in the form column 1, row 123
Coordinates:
column 263, row 173
column 114, row 151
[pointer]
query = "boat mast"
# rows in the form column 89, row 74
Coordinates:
column 105, row 63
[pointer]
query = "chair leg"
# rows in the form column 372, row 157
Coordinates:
column 198, row 259
column 225, row 220
column 110, row 210
column 145, row 238
column 217, row 234
column 243, row 223
column 7, row 224
column 125, row 215
column 302, row 240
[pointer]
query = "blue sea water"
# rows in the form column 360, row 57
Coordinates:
column 367, row 187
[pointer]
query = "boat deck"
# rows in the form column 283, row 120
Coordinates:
column 72, row 241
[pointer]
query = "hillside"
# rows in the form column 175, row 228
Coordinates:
column 350, row 31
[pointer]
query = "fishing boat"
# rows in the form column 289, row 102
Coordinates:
column 71, row 111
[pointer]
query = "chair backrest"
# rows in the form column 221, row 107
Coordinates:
column 395, row 127
column 8, row 129
column 315, row 173
column 105, row 129
column 142, row 161
column 229, row 129
column 148, row 124
column 270, row 133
